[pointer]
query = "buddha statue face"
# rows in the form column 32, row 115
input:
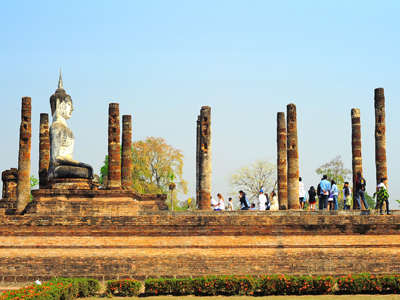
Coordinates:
column 65, row 108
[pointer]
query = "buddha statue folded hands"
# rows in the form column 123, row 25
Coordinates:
column 62, row 164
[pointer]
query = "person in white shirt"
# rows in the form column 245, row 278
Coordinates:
column 302, row 194
column 262, row 199
column 221, row 202
column 214, row 204
column 230, row 204
column 274, row 201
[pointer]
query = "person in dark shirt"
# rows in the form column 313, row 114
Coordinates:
column 360, row 191
column 311, row 198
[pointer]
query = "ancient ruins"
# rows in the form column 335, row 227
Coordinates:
column 72, row 227
column 204, row 159
column 282, row 161
column 292, row 158
column 356, row 147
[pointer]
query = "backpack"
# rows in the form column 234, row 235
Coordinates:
column 361, row 181
column 383, row 195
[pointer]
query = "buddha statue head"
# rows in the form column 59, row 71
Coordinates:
column 61, row 103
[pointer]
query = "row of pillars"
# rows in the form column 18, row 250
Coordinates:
column 288, row 159
column 288, row 155
column 116, row 164
column 115, row 181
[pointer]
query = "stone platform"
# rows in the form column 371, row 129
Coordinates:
column 174, row 244
column 86, row 202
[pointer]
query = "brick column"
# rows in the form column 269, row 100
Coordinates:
column 356, row 149
column 292, row 158
column 126, row 163
column 24, row 157
column 198, row 148
column 380, row 136
column 282, row 162
column 44, row 149
column 114, row 155
column 10, row 182
column 205, row 159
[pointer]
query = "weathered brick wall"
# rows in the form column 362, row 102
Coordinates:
column 172, row 244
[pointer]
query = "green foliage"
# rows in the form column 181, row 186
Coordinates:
column 370, row 201
column 296, row 285
column 33, row 182
column 56, row 289
column 155, row 164
column 123, row 287
column 202, row 286
column 274, row 285
column 104, row 172
column 366, row 283
column 335, row 170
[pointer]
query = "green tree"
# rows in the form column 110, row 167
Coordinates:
column 335, row 170
column 34, row 182
column 154, row 163
column 251, row 178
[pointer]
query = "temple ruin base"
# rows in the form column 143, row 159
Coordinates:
column 63, row 201
column 182, row 244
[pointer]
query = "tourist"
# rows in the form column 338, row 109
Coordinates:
column 302, row 194
column 274, row 201
column 325, row 186
column 335, row 193
column 262, row 200
column 230, row 204
column 267, row 203
column 330, row 201
column 311, row 197
column 360, row 191
column 252, row 206
column 347, row 199
column 221, row 202
column 383, row 195
column 244, row 203
column 214, row 204
column 319, row 197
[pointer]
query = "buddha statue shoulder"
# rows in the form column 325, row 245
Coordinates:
column 62, row 163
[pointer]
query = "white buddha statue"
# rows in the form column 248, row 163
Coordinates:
column 62, row 164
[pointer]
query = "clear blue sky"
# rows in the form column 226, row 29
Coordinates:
column 163, row 60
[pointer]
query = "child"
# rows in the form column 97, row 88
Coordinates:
column 230, row 204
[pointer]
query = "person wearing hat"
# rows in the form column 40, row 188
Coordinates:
column 261, row 200
column 360, row 191
column 383, row 195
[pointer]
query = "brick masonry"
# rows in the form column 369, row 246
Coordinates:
column 166, row 244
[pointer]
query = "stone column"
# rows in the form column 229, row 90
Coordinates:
column 282, row 162
column 205, row 159
column 44, row 149
column 292, row 158
column 114, row 155
column 10, row 182
column 198, row 147
column 356, row 150
column 126, row 163
column 380, row 136
column 24, row 157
